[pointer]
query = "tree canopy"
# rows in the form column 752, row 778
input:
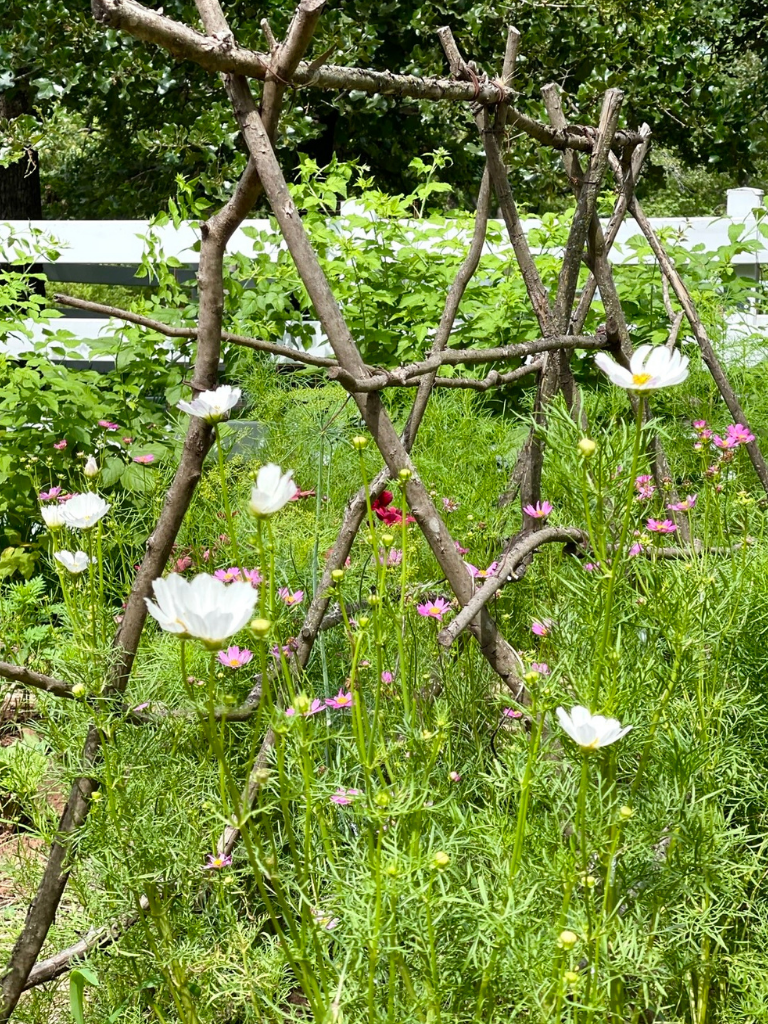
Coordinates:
column 115, row 122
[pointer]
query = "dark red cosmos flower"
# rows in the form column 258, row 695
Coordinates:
column 391, row 516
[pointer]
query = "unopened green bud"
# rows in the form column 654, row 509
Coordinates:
column 587, row 447
column 382, row 799
column 571, row 978
column 625, row 812
column 405, row 475
column 337, row 575
column 359, row 442
column 78, row 690
column 387, row 540
column 440, row 861
column 567, row 939
column 261, row 626
column 302, row 703
column 374, row 600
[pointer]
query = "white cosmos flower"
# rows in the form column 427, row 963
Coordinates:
column 53, row 516
column 212, row 406
column 650, row 367
column 202, row 608
column 272, row 490
column 588, row 730
column 83, row 511
column 75, row 563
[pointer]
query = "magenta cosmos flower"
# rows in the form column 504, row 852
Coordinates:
column 387, row 677
column 660, row 526
column 288, row 650
column 60, row 445
column 538, row 511
column 252, row 575
column 740, row 434
column 316, row 706
column 290, row 598
column 644, row 487
column 234, row 657
column 541, row 667
column 230, row 575
column 512, row 713
column 683, row 506
column 341, row 700
column 217, row 861
column 541, row 628
column 344, row 796
column 109, row 425
column 482, row 574
column 144, row 460
column 433, row 609
column 49, row 495
column 460, row 549
column 450, row 505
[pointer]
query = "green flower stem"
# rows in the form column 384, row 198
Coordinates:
column 618, row 556
column 92, row 589
column 225, row 496
column 525, row 793
column 102, row 604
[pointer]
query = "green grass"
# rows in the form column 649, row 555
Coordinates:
column 667, row 898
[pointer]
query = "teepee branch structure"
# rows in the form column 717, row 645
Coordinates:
column 492, row 105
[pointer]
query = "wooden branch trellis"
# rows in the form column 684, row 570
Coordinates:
column 604, row 146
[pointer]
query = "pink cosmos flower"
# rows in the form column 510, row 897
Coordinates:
column 60, row 445
column 303, row 494
column 591, row 566
column 433, row 609
column 538, row 511
column 49, row 495
column 234, row 657
column 183, row 563
column 108, row 425
column 341, row 700
column 227, row 575
column 314, row 707
column 450, row 505
column 217, row 861
column 252, row 575
column 683, row 506
column 288, row 650
column 481, row 574
column 387, row 677
column 699, row 425
column 660, row 526
column 724, row 443
column 128, row 440
column 454, row 776
column 635, row 550
column 541, row 628
column 144, row 460
column 740, row 434
column 460, row 549
column 541, row 667
column 344, row 796
column 141, row 707
column 644, row 487
column 289, row 598
column 512, row 713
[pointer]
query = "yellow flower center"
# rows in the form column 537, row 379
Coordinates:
column 640, row 378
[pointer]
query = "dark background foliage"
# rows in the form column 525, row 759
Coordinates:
column 114, row 121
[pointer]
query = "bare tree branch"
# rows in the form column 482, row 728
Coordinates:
column 27, row 677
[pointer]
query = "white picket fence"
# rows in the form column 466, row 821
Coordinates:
column 109, row 252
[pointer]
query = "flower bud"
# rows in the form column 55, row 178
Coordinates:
column 405, row 475
column 78, row 690
column 567, row 939
column 625, row 812
column 261, row 626
column 91, row 468
column 382, row 799
column 359, row 442
column 571, row 978
column 440, row 861
column 587, row 447
column 374, row 600
column 302, row 703
column 337, row 575
column 387, row 540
